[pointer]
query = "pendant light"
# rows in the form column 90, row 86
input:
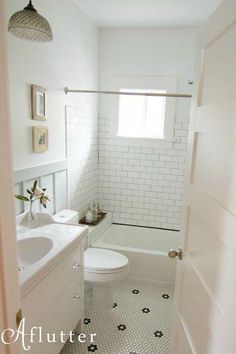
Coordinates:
column 29, row 25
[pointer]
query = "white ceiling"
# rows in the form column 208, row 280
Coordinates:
column 148, row 13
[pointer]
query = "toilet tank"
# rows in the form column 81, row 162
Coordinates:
column 67, row 216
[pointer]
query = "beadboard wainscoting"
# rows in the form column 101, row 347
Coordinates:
column 52, row 176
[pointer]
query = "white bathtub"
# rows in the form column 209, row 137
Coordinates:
column 146, row 248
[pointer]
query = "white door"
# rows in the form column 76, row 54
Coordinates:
column 205, row 307
column 9, row 288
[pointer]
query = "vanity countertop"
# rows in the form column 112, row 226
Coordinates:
column 63, row 238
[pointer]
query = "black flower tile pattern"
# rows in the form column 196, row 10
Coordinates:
column 92, row 348
column 129, row 328
column 121, row 327
column 165, row 296
column 158, row 334
column 145, row 310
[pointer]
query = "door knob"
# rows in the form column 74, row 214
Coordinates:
column 76, row 297
column 76, row 266
column 173, row 253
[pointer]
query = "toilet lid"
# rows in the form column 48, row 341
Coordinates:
column 99, row 259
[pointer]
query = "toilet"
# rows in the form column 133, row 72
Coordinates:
column 102, row 269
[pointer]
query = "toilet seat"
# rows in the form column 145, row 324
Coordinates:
column 103, row 261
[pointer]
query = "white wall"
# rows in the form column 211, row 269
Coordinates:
column 140, row 185
column 144, row 185
column 70, row 60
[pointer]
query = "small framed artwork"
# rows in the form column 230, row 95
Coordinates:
column 40, row 139
column 38, row 98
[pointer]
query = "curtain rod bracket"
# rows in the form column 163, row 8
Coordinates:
column 66, row 90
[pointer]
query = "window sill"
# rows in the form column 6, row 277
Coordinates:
column 120, row 140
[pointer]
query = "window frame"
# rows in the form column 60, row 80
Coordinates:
column 144, row 115
column 145, row 83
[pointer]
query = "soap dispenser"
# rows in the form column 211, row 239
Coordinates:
column 94, row 212
column 89, row 216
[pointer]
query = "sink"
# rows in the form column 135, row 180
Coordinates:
column 32, row 250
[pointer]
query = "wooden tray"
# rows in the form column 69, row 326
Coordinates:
column 83, row 220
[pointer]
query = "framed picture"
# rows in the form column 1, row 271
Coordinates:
column 40, row 139
column 38, row 98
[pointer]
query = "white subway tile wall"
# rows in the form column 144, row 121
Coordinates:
column 82, row 154
column 142, row 185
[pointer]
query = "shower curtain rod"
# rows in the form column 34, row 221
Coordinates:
column 176, row 95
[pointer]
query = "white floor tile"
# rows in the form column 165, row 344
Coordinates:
column 140, row 322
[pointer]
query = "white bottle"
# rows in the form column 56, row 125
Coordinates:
column 94, row 212
column 99, row 210
column 89, row 216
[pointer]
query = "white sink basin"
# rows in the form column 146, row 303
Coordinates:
column 32, row 250
column 41, row 249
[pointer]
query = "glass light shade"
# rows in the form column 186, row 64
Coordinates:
column 29, row 25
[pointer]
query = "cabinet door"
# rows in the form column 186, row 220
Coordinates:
column 56, row 303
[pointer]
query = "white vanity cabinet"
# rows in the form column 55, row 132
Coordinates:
column 56, row 302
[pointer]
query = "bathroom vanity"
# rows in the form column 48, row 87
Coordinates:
column 52, row 287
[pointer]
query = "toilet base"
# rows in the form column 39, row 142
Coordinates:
column 98, row 298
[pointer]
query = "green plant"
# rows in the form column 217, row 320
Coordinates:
column 35, row 193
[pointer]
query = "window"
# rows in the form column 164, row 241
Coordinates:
column 141, row 116
column 141, row 120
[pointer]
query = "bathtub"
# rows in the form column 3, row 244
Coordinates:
column 146, row 248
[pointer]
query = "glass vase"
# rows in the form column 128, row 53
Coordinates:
column 32, row 216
